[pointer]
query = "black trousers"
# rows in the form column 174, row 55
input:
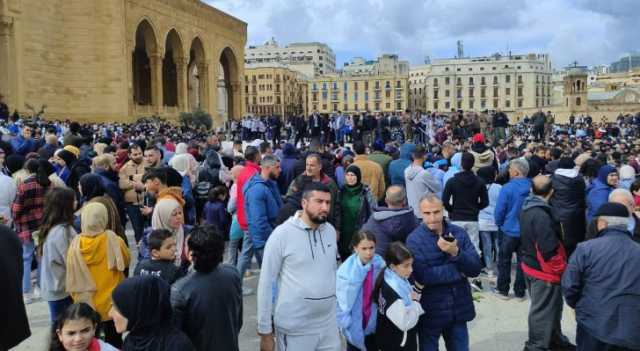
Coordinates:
column 586, row 342
column 545, row 314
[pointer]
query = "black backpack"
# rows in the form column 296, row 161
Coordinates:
column 207, row 179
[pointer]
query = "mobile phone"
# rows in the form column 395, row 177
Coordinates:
column 449, row 237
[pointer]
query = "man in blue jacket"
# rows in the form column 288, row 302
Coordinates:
column 442, row 268
column 602, row 283
column 507, row 216
column 263, row 202
column 24, row 143
column 397, row 167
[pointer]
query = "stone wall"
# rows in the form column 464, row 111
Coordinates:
column 75, row 56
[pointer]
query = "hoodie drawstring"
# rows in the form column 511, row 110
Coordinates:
column 322, row 244
column 310, row 244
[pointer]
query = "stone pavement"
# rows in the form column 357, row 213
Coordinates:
column 499, row 325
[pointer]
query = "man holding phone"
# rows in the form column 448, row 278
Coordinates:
column 444, row 258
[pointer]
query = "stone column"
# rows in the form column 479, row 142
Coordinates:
column 203, row 78
column 183, row 89
column 155, row 61
column 6, row 24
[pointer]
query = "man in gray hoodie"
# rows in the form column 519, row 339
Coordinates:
column 418, row 181
column 300, row 261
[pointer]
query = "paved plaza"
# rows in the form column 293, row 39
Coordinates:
column 499, row 325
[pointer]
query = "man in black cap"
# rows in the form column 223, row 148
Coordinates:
column 602, row 283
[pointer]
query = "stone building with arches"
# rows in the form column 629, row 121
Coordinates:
column 96, row 60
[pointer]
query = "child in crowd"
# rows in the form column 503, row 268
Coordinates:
column 486, row 222
column 399, row 305
column 163, row 255
column 75, row 330
column 354, row 289
column 215, row 210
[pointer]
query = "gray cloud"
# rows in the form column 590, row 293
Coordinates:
column 590, row 31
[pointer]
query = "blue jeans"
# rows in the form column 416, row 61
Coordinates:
column 248, row 251
column 56, row 308
column 489, row 243
column 231, row 251
column 137, row 221
column 456, row 337
column 509, row 246
column 28, row 255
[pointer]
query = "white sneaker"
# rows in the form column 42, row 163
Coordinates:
column 27, row 299
column 36, row 293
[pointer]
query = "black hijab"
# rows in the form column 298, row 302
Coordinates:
column 91, row 186
column 144, row 301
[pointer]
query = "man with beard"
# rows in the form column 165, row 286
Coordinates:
column 104, row 166
column 152, row 157
column 131, row 184
column 300, row 259
column 263, row 208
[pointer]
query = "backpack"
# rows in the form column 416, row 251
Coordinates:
column 207, row 179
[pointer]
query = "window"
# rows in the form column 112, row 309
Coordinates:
column 435, row 93
column 458, row 69
column 507, row 91
column 578, row 101
column 335, row 86
column 447, row 105
column 446, row 93
column 495, row 103
column 345, row 107
column 519, row 91
column 355, row 107
column 366, row 85
column 388, row 93
column 470, row 80
column 315, row 87
column 459, row 104
column 507, row 103
column 459, row 81
column 314, row 96
column 344, row 96
column 324, row 86
column 446, row 69
column 519, row 79
column 399, row 105
column 435, row 105
column 507, row 79
column 387, row 105
column 334, row 96
column 355, row 96
column 519, row 102
column 377, row 97
column 471, row 104
column 377, row 84
column 355, row 85
column 446, row 80
column 459, row 93
column 335, row 107
column 278, row 100
column 324, row 95
column 377, row 106
column 366, row 96
column 324, row 107
column 483, row 104
column 398, row 84
column 346, row 85
column 470, row 92
column 482, row 81
column 398, row 94
column 387, row 85
column 495, row 91
column 495, row 79
column 483, row 92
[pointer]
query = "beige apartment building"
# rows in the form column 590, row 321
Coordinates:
column 96, row 60
column 311, row 59
column 355, row 94
column 417, row 87
column 274, row 89
column 509, row 83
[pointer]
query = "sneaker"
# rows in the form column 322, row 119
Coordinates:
column 36, row 293
column 27, row 299
column 476, row 284
column 247, row 291
column 500, row 295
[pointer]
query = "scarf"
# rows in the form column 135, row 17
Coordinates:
column 367, row 292
column 144, row 301
column 160, row 220
column 400, row 285
column 78, row 279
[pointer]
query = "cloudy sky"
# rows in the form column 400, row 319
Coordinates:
column 589, row 31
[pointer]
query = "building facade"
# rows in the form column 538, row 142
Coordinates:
column 356, row 94
column 509, row 83
column 95, row 60
column 384, row 65
column 272, row 89
column 417, row 87
column 308, row 58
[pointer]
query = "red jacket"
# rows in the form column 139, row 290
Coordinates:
column 249, row 170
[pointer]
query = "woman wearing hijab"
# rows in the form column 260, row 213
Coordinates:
column 181, row 164
column 91, row 190
column 142, row 307
column 96, row 260
column 357, row 203
column 167, row 214
column 183, row 149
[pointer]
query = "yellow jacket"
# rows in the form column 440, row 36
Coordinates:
column 94, row 252
column 372, row 175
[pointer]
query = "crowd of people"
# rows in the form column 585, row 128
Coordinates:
column 370, row 231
